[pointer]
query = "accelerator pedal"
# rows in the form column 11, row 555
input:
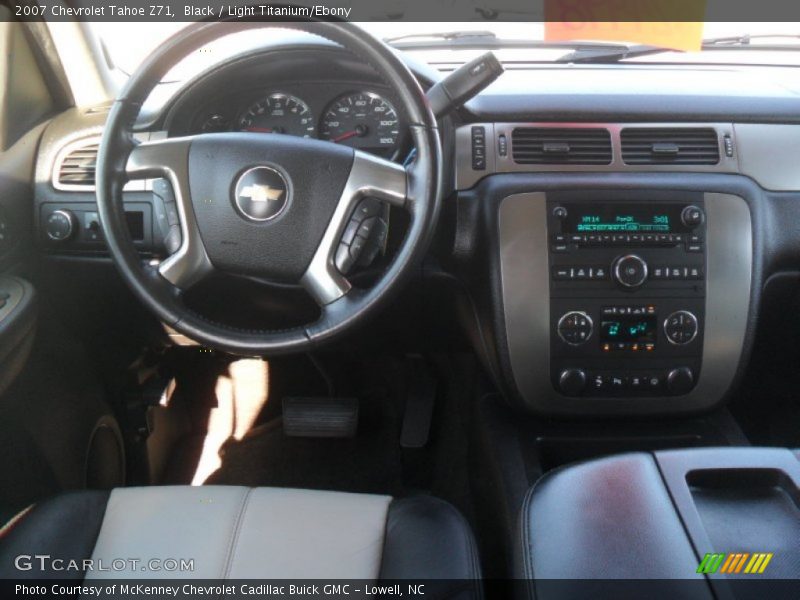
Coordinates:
column 320, row 417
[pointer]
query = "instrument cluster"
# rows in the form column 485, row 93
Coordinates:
column 363, row 119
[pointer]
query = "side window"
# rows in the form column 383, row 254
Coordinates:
column 25, row 99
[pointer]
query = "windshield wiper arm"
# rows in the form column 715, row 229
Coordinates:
column 745, row 39
column 441, row 35
column 486, row 40
column 588, row 54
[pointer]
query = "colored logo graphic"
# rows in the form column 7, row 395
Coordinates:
column 735, row 562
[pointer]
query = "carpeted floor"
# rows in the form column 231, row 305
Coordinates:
column 259, row 453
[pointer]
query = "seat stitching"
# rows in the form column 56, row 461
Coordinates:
column 234, row 539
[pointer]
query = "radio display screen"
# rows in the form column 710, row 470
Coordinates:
column 630, row 329
column 623, row 218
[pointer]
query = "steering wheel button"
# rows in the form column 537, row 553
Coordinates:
column 357, row 246
column 343, row 260
column 366, row 227
column 350, row 231
column 172, row 213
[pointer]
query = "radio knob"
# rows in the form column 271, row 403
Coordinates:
column 572, row 381
column 60, row 225
column 630, row 270
column 692, row 216
column 680, row 381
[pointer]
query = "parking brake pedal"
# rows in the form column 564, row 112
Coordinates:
column 320, row 417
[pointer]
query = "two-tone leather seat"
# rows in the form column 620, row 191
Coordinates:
column 244, row 533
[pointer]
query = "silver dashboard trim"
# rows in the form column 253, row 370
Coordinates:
column 142, row 185
column 525, row 284
column 170, row 159
column 466, row 177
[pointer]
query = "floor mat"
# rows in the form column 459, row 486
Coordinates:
column 258, row 453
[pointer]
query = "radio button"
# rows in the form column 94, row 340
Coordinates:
column 562, row 273
column 630, row 271
column 692, row 216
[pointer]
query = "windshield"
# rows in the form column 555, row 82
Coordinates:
column 128, row 44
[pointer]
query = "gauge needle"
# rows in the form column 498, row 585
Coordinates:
column 259, row 129
column 345, row 136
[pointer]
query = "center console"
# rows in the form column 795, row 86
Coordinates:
column 621, row 301
column 627, row 294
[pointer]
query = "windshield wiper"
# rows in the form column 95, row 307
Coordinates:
column 486, row 40
column 737, row 41
column 587, row 54
column 441, row 35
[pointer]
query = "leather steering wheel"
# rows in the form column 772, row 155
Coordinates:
column 302, row 193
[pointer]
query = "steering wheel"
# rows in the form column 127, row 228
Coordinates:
column 266, row 206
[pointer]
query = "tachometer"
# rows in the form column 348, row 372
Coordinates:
column 279, row 113
column 363, row 120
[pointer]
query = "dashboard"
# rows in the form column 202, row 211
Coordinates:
column 591, row 292
column 326, row 96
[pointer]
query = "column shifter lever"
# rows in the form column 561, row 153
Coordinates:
column 464, row 83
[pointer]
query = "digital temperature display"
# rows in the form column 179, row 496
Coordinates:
column 629, row 329
column 622, row 218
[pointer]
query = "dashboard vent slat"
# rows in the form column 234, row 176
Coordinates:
column 670, row 145
column 78, row 166
column 561, row 146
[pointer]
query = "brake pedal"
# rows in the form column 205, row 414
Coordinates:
column 320, row 417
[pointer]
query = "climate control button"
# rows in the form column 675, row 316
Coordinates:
column 681, row 327
column 680, row 381
column 572, row 381
column 630, row 270
column 575, row 328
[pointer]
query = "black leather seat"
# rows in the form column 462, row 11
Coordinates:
column 245, row 533
column 655, row 516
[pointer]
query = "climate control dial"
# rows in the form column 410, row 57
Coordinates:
column 575, row 328
column 681, row 327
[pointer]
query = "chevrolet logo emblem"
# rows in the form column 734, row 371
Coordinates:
column 261, row 193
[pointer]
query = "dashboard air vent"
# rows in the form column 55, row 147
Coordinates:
column 77, row 167
column 562, row 146
column 670, row 146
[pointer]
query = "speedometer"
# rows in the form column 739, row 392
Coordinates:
column 363, row 120
column 279, row 113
